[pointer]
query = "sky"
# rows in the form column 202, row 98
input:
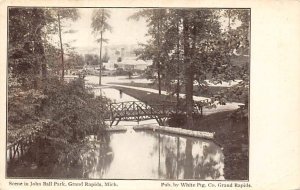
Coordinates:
column 123, row 31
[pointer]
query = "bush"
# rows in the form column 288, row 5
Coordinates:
column 60, row 116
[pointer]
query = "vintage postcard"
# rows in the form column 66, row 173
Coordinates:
column 150, row 95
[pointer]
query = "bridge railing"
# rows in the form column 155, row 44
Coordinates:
column 128, row 108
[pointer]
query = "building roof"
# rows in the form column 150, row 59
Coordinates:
column 133, row 61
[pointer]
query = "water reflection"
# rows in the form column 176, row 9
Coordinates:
column 151, row 155
column 97, row 159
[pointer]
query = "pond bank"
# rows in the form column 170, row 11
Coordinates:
column 116, row 129
column 173, row 130
column 179, row 131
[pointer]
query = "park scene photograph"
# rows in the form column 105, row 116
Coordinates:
column 128, row 93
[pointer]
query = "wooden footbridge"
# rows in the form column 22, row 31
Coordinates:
column 138, row 111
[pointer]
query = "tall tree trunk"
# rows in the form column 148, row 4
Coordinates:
column 159, row 78
column 158, row 57
column 178, row 68
column 101, row 39
column 100, row 65
column 61, row 48
column 189, row 75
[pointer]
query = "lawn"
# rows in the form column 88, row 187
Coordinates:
column 209, row 92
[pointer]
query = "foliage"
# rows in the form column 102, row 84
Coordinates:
column 25, row 50
column 154, row 50
column 59, row 115
column 23, row 118
column 64, row 14
column 120, row 72
column 25, row 55
column 99, row 21
column 29, row 47
column 73, row 114
column 100, row 26
column 91, row 59
column 52, row 58
column 193, row 47
column 74, row 60
column 55, row 115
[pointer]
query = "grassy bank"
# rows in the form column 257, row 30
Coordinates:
column 148, row 97
column 231, row 134
column 208, row 93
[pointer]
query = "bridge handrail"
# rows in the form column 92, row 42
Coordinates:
column 200, row 103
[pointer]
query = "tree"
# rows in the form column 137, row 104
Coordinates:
column 239, row 39
column 74, row 60
column 193, row 38
column 26, row 54
column 175, row 36
column 188, row 68
column 209, row 53
column 91, row 59
column 215, row 53
column 156, row 19
column 231, row 15
column 173, row 52
column 26, row 60
column 175, row 33
column 52, row 56
column 100, row 26
column 62, row 15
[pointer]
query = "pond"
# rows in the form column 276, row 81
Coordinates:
column 152, row 155
column 137, row 155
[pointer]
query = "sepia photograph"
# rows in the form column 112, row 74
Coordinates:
column 151, row 93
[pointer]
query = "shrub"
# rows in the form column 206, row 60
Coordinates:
column 60, row 116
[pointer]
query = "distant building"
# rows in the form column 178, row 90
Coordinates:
column 130, row 63
column 122, row 57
